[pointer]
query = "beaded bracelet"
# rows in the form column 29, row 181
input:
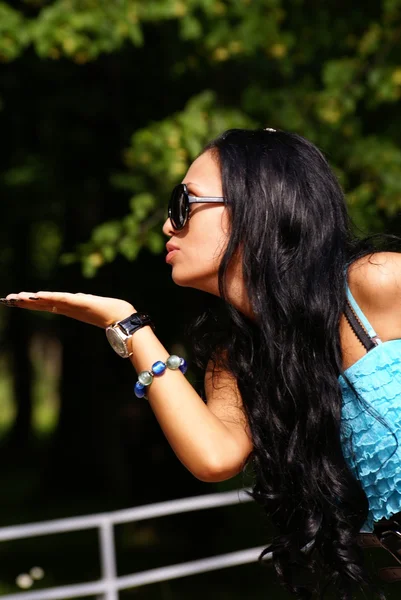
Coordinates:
column 145, row 378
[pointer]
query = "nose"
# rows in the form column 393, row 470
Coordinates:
column 167, row 227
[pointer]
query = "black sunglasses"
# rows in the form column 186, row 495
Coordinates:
column 178, row 206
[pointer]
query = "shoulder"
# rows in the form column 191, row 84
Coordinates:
column 375, row 282
column 376, row 278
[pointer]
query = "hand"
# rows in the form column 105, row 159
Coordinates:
column 95, row 310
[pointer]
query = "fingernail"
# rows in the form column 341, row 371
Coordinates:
column 10, row 302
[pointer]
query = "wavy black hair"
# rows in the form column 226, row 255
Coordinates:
column 288, row 216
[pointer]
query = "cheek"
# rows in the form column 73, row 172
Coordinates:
column 202, row 251
column 208, row 243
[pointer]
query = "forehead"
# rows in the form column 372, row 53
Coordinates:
column 204, row 173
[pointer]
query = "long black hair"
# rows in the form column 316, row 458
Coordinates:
column 289, row 219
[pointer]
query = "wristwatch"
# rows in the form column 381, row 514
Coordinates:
column 119, row 333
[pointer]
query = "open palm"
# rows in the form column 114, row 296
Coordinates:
column 95, row 310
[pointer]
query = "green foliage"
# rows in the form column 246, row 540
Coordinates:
column 332, row 76
column 14, row 33
column 86, row 28
column 83, row 30
column 158, row 156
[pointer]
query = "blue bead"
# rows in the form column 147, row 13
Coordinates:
column 158, row 367
column 183, row 366
column 139, row 390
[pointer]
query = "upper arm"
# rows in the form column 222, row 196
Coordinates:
column 224, row 400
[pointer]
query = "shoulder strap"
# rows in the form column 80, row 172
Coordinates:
column 361, row 317
column 358, row 321
column 359, row 331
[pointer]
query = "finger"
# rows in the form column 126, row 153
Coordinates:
column 20, row 296
column 15, row 299
column 23, row 300
column 66, row 297
column 46, row 298
column 9, row 302
column 44, row 301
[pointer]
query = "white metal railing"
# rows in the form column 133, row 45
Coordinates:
column 110, row 584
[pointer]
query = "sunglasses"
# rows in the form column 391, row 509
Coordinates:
column 178, row 206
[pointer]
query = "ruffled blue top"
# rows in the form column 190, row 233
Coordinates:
column 369, row 446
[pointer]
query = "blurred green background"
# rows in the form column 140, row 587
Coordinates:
column 103, row 105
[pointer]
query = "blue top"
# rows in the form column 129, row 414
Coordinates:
column 377, row 378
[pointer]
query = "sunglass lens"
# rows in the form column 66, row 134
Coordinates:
column 178, row 207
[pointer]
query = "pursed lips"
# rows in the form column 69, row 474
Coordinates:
column 171, row 247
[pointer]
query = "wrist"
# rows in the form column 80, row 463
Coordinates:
column 120, row 333
column 120, row 316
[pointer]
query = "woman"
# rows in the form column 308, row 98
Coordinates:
column 260, row 222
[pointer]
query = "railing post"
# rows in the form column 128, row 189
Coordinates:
column 108, row 559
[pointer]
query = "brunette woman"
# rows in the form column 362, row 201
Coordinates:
column 302, row 357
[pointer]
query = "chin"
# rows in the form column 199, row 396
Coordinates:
column 187, row 279
column 180, row 279
column 197, row 283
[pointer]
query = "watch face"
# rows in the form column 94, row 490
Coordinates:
column 116, row 342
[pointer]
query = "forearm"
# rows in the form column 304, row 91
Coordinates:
column 202, row 442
